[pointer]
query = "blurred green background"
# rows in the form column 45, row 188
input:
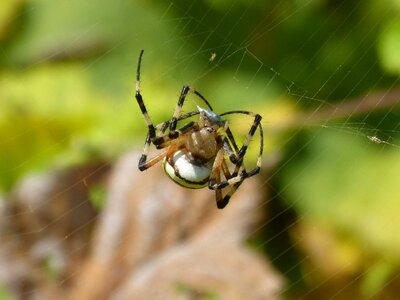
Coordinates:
column 67, row 97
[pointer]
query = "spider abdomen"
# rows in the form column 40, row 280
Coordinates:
column 185, row 172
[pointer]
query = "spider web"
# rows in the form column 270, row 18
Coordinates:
column 310, row 112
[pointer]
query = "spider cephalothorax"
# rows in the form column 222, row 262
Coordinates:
column 198, row 153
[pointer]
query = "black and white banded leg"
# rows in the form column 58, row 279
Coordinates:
column 235, row 179
column 240, row 153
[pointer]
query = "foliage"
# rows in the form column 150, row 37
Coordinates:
column 67, row 83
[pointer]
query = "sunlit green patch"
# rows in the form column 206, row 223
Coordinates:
column 97, row 196
column 185, row 290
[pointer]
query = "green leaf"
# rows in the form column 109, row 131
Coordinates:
column 375, row 278
column 350, row 184
column 8, row 15
column 389, row 47
column 97, row 196
column 5, row 294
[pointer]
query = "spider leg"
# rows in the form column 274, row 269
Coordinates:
column 177, row 116
column 236, row 178
column 215, row 178
column 227, row 145
column 162, row 138
column 228, row 196
column 144, row 163
column 172, row 123
column 229, row 175
column 227, row 129
column 181, row 100
column 164, row 126
column 172, row 126
column 143, row 159
column 139, row 99
column 177, row 113
column 203, row 98
column 164, row 141
column 241, row 153
column 159, row 141
column 231, row 139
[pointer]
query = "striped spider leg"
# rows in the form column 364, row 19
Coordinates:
column 161, row 138
column 234, row 179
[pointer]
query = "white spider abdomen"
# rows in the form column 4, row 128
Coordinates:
column 186, row 173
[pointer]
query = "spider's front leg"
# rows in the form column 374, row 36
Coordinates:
column 172, row 126
column 139, row 99
column 162, row 138
column 151, row 137
column 151, row 134
column 172, row 145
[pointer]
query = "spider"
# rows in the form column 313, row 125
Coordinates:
column 198, row 154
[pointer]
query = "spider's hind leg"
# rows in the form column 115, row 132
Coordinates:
column 242, row 151
column 216, row 184
column 215, row 179
column 236, row 178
